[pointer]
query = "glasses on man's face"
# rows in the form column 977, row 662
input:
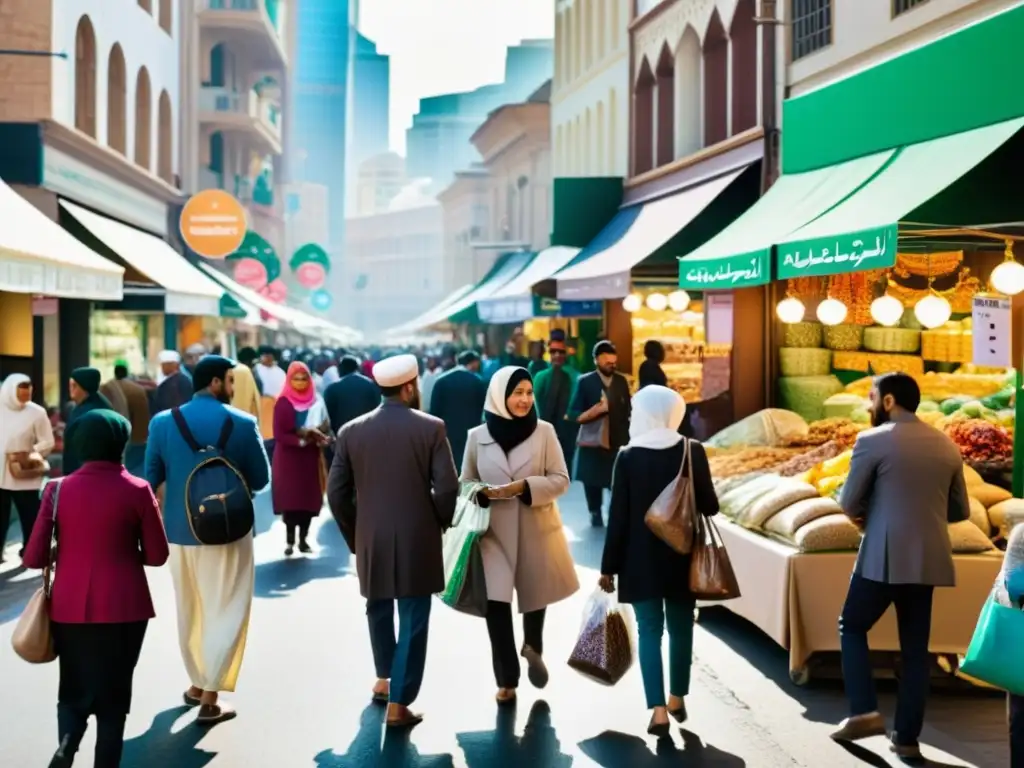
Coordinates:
column 557, row 352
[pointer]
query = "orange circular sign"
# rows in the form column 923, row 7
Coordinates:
column 213, row 223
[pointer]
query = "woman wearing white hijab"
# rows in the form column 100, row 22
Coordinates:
column 525, row 550
column 652, row 576
column 24, row 430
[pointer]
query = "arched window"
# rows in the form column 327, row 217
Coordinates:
column 588, row 141
column 85, row 77
column 665, row 76
column 165, row 139
column 643, row 120
column 602, row 28
column 599, row 141
column 143, row 120
column 716, row 82
column 588, row 36
column 745, row 86
column 559, row 150
column 147, row 6
column 576, row 46
column 117, row 101
column 689, row 126
column 167, row 16
column 559, row 48
column 614, row 169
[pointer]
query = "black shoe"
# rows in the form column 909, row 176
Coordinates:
column 289, row 551
column 661, row 730
column 596, row 520
column 537, row 670
column 304, row 548
column 679, row 715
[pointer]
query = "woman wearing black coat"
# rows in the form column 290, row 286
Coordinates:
column 652, row 576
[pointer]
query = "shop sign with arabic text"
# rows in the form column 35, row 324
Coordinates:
column 725, row 273
column 853, row 252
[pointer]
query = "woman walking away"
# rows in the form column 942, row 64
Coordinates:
column 109, row 527
column 298, row 473
column 1010, row 592
column 246, row 396
column 26, row 437
column 525, row 550
column 652, row 576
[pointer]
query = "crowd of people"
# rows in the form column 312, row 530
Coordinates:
column 392, row 445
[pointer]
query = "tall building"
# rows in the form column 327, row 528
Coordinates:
column 438, row 143
column 380, row 180
column 368, row 120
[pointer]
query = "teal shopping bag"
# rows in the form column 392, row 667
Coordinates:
column 994, row 656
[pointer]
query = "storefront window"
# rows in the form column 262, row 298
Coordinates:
column 51, row 359
column 134, row 338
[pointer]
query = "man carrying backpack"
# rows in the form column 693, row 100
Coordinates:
column 210, row 459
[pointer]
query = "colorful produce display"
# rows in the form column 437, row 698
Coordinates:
column 785, row 480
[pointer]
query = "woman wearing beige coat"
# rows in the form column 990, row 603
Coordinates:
column 520, row 461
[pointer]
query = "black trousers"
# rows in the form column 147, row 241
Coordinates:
column 27, row 504
column 504, row 653
column 71, row 727
column 595, row 498
column 297, row 521
column 1016, row 718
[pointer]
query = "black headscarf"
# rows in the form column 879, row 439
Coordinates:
column 209, row 368
column 511, row 430
column 87, row 378
column 101, row 435
column 247, row 356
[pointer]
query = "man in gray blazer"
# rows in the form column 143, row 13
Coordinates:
column 393, row 489
column 906, row 485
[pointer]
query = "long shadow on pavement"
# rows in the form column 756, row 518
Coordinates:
column 159, row 746
column 367, row 751
column 279, row 578
column 500, row 748
column 617, row 750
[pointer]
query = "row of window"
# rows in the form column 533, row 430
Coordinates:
column 165, row 10
column 117, row 104
column 812, row 22
column 584, row 33
column 589, row 144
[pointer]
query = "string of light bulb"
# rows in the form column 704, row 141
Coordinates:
column 677, row 301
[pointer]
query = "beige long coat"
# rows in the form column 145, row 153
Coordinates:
column 525, row 548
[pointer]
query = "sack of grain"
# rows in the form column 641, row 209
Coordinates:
column 980, row 517
column 736, row 501
column 785, row 494
column 903, row 340
column 770, row 427
column 802, row 335
column 804, row 361
column 786, row 522
column 844, row 337
column 831, row 533
column 967, row 539
column 806, row 395
column 1006, row 514
column 989, row 494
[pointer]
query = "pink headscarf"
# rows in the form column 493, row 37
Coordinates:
column 302, row 401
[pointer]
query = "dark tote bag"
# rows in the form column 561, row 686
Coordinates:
column 473, row 595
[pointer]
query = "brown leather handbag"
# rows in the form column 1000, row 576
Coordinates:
column 26, row 465
column 33, row 636
column 711, row 575
column 671, row 516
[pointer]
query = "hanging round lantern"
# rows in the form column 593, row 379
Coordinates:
column 321, row 300
column 790, row 310
column 276, row 291
column 251, row 273
column 932, row 311
column 657, row 302
column 1008, row 278
column 887, row 310
column 632, row 303
column 832, row 312
column 678, row 301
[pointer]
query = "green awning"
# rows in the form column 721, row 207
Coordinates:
column 505, row 268
column 861, row 232
column 740, row 255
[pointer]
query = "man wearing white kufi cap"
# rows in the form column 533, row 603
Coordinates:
column 175, row 388
column 395, row 533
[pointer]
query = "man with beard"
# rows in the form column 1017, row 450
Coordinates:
column 213, row 585
column 175, row 387
column 552, row 388
column 601, row 407
column 392, row 489
column 905, row 486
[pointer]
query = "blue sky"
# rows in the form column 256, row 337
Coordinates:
column 442, row 46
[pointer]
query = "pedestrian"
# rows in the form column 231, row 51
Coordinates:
column 100, row 604
column 213, row 585
column 193, row 354
column 246, row 396
column 331, row 372
column 524, row 550
column 272, row 379
column 175, row 388
column 114, row 394
column 653, row 577
column 397, row 460
column 248, row 357
column 600, row 405
column 537, row 361
column 431, row 373
column 553, row 388
column 27, row 439
column 458, row 400
column 301, row 430
column 1009, row 593
column 651, row 371
column 905, row 486
column 84, row 388
column 350, row 396
column 138, row 416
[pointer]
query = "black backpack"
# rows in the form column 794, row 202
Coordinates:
column 218, row 501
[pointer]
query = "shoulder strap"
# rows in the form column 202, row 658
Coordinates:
column 225, row 434
column 186, row 433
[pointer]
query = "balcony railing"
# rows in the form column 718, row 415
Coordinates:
column 245, row 189
column 272, row 10
column 223, row 100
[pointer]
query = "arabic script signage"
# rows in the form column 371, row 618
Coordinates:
column 853, row 252
column 725, row 273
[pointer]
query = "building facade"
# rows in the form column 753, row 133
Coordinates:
column 369, row 118
column 380, row 180
column 393, row 266
column 466, row 217
column 590, row 88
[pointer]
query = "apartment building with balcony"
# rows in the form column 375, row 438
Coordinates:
column 466, row 222
column 235, row 70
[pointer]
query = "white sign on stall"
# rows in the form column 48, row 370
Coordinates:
column 993, row 332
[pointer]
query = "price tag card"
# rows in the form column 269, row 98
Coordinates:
column 993, row 332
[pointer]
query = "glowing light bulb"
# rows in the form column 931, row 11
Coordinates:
column 1008, row 278
column 632, row 303
column 832, row 312
column 678, row 301
column 790, row 310
column 657, row 302
column 887, row 310
column 932, row 311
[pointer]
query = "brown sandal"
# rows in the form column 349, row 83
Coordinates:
column 190, row 701
column 211, row 714
column 407, row 720
column 505, row 696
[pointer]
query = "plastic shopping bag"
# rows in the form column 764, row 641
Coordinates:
column 465, row 584
column 604, row 650
column 994, row 652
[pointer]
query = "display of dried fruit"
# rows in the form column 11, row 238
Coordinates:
column 980, row 440
column 805, row 461
column 841, row 431
column 750, row 460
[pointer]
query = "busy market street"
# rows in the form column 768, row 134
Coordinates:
column 304, row 700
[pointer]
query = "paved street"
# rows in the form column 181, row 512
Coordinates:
column 303, row 699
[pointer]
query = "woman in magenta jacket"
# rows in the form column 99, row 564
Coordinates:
column 108, row 528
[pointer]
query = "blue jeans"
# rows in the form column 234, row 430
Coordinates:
column 866, row 603
column 401, row 660
column 651, row 618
